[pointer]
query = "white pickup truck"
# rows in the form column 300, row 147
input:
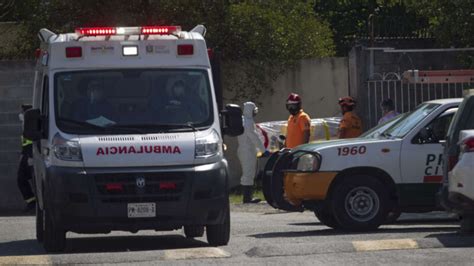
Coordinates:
column 355, row 184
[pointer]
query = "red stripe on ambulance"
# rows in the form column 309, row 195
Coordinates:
column 138, row 150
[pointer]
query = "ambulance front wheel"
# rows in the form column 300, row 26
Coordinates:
column 467, row 224
column 219, row 234
column 39, row 223
column 54, row 236
column 360, row 203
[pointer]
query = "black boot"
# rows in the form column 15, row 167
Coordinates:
column 247, row 193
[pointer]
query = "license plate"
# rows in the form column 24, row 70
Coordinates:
column 141, row 210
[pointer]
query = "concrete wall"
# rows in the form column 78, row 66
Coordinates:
column 319, row 81
column 16, row 82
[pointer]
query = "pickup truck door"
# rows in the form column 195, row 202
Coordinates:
column 421, row 162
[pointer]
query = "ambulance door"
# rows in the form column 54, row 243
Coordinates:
column 421, row 162
column 41, row 147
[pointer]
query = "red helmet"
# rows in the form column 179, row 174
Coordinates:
column 347, row 101
column 293, row 98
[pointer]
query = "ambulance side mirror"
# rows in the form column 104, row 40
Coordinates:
column 32, row 125
column 232, row 120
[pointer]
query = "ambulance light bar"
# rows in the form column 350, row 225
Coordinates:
column 146, row 30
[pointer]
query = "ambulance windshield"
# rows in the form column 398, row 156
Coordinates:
column 132, row 101
column 410, row 121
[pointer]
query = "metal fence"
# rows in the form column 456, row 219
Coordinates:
column 406, row 95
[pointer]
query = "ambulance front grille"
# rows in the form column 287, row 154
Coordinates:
column 108, row 139
column 132, row 193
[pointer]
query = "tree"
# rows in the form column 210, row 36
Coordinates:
column 266, row 37
column 450, row 21
column 349, row 20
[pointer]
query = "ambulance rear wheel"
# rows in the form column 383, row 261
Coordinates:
column 325, row 216
column 54, row 236
column 192, row 231
column 219, row 234
column 360, row 203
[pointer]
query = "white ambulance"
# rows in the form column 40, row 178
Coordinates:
column 127, row 134
column 357, row 184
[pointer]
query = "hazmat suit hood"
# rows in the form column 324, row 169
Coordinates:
column 249, row 108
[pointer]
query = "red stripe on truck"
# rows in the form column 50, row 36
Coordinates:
column 433, row 179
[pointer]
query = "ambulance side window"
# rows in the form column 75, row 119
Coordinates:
column 436, row 131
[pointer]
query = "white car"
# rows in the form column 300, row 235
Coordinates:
column 461, row 182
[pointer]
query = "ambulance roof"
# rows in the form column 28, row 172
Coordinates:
column 125, row 47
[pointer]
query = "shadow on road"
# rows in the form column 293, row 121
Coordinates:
column 103, row 244
column 333, row 232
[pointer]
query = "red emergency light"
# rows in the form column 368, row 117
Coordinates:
column 185, row 49
column 73, row 52
column 145, row 30
column 97, row 31
column 160, row 30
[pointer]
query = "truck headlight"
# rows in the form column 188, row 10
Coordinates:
column 207, row 146
column 308, row 162
column 66, row 150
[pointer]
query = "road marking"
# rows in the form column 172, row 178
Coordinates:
column 195, row 253
column 15, row 260
column 389, row 244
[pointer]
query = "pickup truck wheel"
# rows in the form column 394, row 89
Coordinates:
column 39, row 223
column 360, row 203
column 192, row 231
column 54, row 236
column 325, row 216
column 219, row 234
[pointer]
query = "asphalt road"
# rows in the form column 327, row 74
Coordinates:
column 260, row 235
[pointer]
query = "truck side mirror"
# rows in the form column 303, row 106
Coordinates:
column 32, row 125
column 232, row 124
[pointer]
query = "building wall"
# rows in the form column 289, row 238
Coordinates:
column 319, row 81
column 16, row 81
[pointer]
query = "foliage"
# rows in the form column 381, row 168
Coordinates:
column 269, row 37
column 451, row 21
column 349, row 20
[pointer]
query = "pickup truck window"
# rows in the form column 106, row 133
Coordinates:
column 132, row 101
column 436, row 130
column 407, row 123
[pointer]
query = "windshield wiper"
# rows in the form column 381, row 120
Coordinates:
column 103, row 128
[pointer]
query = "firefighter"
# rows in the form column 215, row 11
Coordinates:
column 25, row 173
column 299, row 122
column 350, row 125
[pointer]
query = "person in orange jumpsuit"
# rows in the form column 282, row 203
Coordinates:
column 299, row 122
column 350, row 125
